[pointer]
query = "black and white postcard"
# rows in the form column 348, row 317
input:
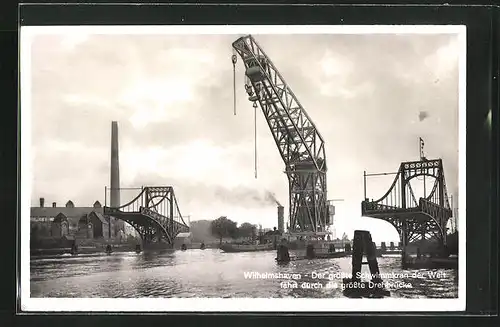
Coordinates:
column 243, row 168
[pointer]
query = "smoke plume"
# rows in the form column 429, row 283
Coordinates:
column 242, row 196
column 270, row 196
column 245, row 196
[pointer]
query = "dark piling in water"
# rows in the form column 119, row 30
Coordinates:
column 383, row 247
column 347, row 248
column 74, row 249
column 109, row 249
column 310, row 254
column 282, row 253
column 138, row 248
column 354, row 287
column 183, row 247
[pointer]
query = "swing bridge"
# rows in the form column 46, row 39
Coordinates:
column 154, row 214
column 423, row 218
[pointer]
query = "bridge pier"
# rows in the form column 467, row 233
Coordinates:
column 404, row 243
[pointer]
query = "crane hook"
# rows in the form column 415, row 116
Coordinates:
column 234, row 59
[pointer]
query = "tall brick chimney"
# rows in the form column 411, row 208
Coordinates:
column 281, row 219
column 114, row 224
column 42, row 202
column 115, row 167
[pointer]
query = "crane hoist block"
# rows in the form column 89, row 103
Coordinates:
column 253, row 98
column 255, row 74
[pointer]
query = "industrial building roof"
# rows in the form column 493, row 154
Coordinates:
column 100, row 216
column 68, row 212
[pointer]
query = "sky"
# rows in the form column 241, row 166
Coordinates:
column 370, row 96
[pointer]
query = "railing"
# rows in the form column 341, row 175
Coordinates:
column 162, row 219
column 378, row 207
column 433, row 209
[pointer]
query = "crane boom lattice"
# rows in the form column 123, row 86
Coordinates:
column 300, row 144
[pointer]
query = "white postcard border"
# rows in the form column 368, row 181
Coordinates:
column 234, row 304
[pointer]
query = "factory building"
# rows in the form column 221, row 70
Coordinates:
column 79, row 222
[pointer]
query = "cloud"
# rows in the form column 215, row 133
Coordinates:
column 422, row 115
column 156, row 100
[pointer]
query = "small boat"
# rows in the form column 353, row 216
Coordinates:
column 246, row 247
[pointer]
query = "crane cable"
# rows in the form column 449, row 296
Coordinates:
column 255, row 135
column 234, row 59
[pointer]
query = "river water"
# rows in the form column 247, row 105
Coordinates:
column 212, row 273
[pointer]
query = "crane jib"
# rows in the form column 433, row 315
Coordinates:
column 258, row 67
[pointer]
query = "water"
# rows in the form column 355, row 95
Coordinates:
column 212, row 273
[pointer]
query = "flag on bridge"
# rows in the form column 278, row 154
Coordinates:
column 421, row 148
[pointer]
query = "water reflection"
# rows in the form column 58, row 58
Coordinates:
column 210, row 273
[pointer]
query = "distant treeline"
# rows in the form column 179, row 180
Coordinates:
column 215, row 230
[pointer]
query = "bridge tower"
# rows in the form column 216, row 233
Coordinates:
column 415, row 219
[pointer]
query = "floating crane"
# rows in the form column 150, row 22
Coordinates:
column 301, row 146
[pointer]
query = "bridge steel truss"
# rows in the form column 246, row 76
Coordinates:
column 423, row 218
column 154, row 214
column 301, row 146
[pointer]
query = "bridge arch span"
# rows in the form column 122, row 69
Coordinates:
column 154, row 212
